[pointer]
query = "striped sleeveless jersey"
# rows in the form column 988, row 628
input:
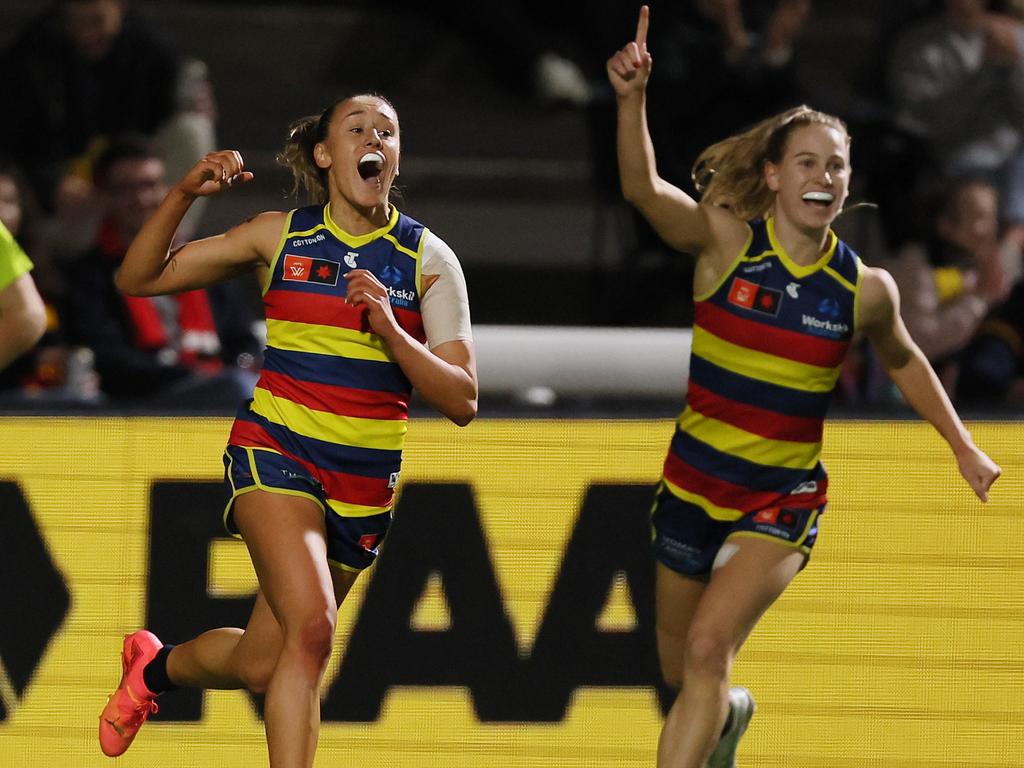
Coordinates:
column 768, row 345
column 330, row 396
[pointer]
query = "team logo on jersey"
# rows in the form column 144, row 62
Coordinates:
column 829, row 308
column 304, row 269
column 350, row 259
column 759, row 298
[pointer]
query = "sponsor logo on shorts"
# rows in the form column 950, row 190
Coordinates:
column 393, row 480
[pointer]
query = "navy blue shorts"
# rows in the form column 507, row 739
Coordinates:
column 687, row 539
column 352, row 542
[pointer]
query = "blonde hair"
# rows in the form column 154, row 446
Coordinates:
column 730, row 173
column 297, row 155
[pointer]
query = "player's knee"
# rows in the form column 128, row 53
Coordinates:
column 314, row 637
column 708, row 653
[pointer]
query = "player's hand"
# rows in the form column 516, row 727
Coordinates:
column 364, row 289
column 978, row 470
column 630, row 68
column 215, row 173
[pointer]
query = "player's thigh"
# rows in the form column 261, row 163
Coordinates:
column 286, row 539
column 741, row 590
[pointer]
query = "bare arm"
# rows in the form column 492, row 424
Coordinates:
column 714, row 235
column 444, row 376
column 151, row 268
column 22, row 319
column 910, row 371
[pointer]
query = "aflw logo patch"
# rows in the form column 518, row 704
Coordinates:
column 748, row 295
column 304, row 269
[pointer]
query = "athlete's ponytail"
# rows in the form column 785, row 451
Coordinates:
column 297, row 155
column 730, row 173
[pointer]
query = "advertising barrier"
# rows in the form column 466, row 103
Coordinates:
column 509, row 620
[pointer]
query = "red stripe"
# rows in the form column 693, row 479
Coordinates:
column 313, row 308
column 751, row 418
column 343, row 401
column 412, row 322
column 326, row 309
column 338, row 486
column 722, row 493
column 746, row 332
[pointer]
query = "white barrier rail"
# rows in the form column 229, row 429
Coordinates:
column 539, row 362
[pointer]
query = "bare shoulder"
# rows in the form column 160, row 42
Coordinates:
column 879, row 297
column 729, row 235
column 260, row 233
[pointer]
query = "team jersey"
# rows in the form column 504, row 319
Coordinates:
column 768, row 344
column 330, row 395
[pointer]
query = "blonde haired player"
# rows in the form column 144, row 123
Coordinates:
column 778, row 298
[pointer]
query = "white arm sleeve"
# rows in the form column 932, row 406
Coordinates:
column 444, row 306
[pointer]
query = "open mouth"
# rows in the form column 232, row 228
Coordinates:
column 370, row 166
column 820, row 199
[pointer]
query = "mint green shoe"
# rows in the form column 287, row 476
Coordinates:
column 741, row 705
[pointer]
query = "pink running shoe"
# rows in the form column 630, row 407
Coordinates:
column 132, row 703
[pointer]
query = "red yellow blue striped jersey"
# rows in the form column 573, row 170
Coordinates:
column 330, row 395
column 768, row 344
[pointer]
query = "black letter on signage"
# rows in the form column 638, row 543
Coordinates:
column 184, row 519
column 612, row 535
column 34, row 598
column 436, row 530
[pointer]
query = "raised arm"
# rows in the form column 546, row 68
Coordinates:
column 151, row 268
column 678, row 219
column 910, row 371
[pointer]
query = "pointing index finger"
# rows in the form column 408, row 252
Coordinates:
column 641, row 26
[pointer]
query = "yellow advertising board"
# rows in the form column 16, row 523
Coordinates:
column 507, row 624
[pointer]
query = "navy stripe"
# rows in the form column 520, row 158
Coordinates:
column 742, row 389
column 306, row 218
column 339, row 371
column 844, row 261
column 733, row 469
column 368, row 462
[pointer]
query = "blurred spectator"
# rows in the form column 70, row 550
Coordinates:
column 40, row 370
column 79, row 73
column 165, row 349
column 22, row 315
column 950, row 282
column 957, row 82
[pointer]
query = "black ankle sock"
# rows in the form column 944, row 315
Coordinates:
column 725, row 728
column 154, row 674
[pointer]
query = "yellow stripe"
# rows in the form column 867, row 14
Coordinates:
column 761, row 365
column 765, row 537
column 724, row 514
column 737, row 442
column 325, row 340
column 354, row 241
column 841, row 280
column 801, row 270
column 381, row 434
column 399, row 246
column 343, row 509
column 279, row 251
